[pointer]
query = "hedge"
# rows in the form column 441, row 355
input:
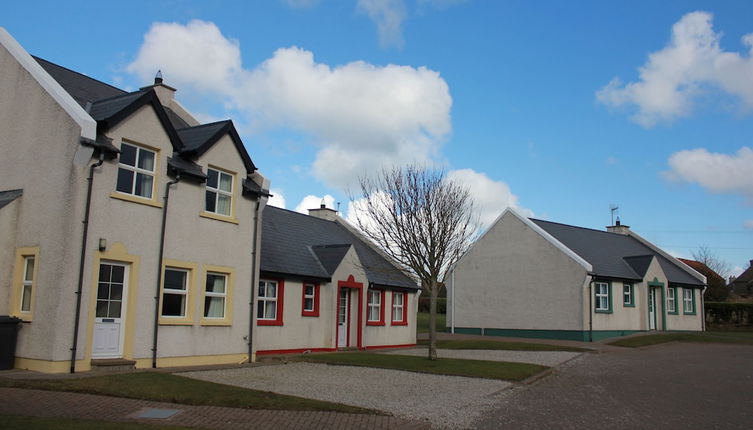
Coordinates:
column 423, row 305
column 729, row 313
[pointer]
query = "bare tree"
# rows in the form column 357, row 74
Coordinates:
column 708, row 257
column 422, row 220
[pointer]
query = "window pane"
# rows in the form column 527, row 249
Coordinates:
column 173, row 305
column 260, row 309
column 29, row 275
column 114, row 311
column 211, row 201
column 214, row 307
column 128, row 154
column 143, row 185
column 26, row 298
column 270, row 310
column 101, row 309
column 175, row 279
column 212, row 178
column 309, row 304
column 104, row 272
column 118, row 274
column 103, row 291
column 226, row 182
column 223, row 204
column 116, row 292
column 215, row 284
column 309, row 290
column 146, row 160
column 125, row 181
column 272, row 290
column 262, row 289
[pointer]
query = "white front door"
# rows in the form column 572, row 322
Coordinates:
column 652, row 308
column 109, row 321
column 343, row 324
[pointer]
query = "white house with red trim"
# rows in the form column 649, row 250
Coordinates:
column 323, row 287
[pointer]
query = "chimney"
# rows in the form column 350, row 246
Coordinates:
column 165, row 93
column 324, row 212
column 618, row 227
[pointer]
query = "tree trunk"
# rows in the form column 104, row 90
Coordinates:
column 433, row 292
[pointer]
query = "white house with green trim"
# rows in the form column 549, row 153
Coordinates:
column 532, row 278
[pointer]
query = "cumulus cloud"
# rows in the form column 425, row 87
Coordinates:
column 691, row 64
column 313, row 202
column 491, row 197
column 361, row 116
column 277, row 199
column 388, row 15
column 718, row 173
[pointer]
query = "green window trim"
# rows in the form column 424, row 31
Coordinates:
column 597, row 295
column 677, row 307
column 692, row 292
column 630, row 295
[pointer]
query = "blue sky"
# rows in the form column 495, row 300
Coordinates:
column 557, row 108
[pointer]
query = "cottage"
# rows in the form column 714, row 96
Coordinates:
column 323, row 287
column 743, row 284
column 128, row 229
column 534, row 278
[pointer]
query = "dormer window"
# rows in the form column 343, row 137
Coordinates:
column 219, row 194
column 136, row 171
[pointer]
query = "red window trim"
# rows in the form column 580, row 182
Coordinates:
column 382, row 294
column 404, row 321
column 280, row 303
column 315, row 312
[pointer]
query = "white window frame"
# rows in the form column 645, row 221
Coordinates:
column 137, row 170
column 627, row 294
column 27, row 283
column 184, row 292
column 375, row 305
column 671, row 300
column 265, row 298
column 307, row 297
column 688, row 300
column 601, row 297
column 213, row 294
column 398, row 306
column 217, row 192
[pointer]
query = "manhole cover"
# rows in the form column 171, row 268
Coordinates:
column 155, row 413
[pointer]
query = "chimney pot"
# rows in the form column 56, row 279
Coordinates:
column 158, row 77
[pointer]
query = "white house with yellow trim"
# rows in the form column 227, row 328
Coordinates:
column 128, row 231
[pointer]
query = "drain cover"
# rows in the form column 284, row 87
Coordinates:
column 156, row 413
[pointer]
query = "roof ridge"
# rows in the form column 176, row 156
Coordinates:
column 298, row 213
column 79, row 73
column 204, row 125
column 576, row 226
column 107, row 99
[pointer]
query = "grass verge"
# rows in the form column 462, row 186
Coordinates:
column 164, row 387
column 422, row 322
column 739, row 337
column 503, row 370
column 501, row 345
column 16, row 422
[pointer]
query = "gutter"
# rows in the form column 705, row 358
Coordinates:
column 590, row 308
column 82, row 261
column 452, row 300
column 254, row 282
column 159, row 268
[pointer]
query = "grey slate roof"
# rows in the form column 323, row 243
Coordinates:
column 305, row 246
column 8, row 196
column 194, row 137
column 105, row 108
column 82, row 88
column 614, row 255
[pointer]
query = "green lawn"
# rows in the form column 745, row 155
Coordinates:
column 446, row 366
column 15, row 422
column 164, row 387
column 737, row 337
column 423, row 322
column 501, row 345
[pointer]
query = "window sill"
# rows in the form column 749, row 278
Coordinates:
column 628, row 305
column 689, row 313
column 602, row 311
column 399, row 323
column 310, row 314
column 377, row 323
column 134, row 199
column 223, row 218
column 672, row 313
column 269, row 322
column 176, row 321
column 24, row 317
column 217, row 322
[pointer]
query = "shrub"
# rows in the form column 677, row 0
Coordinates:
column 729, row 313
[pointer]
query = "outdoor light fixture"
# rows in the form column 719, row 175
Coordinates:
column 102, row 244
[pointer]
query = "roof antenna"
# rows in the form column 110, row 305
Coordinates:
column 613, row 209
column 322, row 205
column 338, row 207
column 158, row 77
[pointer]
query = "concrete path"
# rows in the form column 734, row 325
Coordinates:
column 544, row 358
column 37, row 403
column 670, row 386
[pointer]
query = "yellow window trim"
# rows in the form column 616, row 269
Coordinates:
column 228, row 319
column 18, row 280
column 192, row 269
column 134, row 199
column 217, row 217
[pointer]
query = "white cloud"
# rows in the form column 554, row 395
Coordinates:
column 491, row 197
column 313, row 202
column 277, row 199
column 748, row 224
column 388, row 15
column 691, row 64
column 718, row 173
column 361, row 116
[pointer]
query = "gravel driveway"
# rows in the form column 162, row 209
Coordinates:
column 545, row 358
column 444, row 401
